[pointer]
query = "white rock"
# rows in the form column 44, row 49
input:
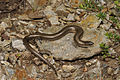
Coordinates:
column 3, row 25
column 54, row 20
column 71, row 17
column 102, row 2
column 18, row 44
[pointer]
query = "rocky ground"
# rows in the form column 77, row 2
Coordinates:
column 100, row 20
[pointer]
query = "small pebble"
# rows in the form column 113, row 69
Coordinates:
column 68, row 68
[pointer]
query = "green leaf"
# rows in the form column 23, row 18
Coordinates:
column 101, row 15
column 81, row 6
column 104, row 56
column 106, row 47
column 109, row 55
column 116, row 2
column 113, row 56
column 114, row 19
column 100, row 7
column 102, row 45
column 119, row 57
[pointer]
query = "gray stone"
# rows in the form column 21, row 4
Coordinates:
column 49, row 12
column 51, row 15
column 64, row 48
